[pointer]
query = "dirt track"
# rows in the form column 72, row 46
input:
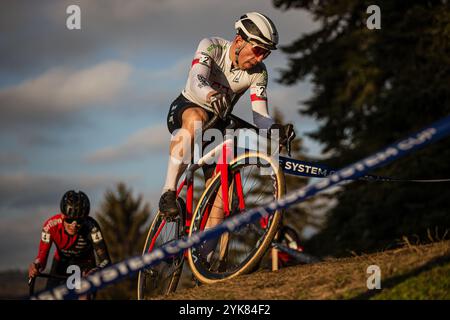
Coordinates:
column 331, row 279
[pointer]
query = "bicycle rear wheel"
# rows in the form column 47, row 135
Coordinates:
column 240, row 251
column 162, row 278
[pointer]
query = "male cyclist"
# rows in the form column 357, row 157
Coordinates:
column 77, row 238
column 220, row 74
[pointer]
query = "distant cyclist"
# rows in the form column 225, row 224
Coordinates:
column 77, row 238
column 221, row 72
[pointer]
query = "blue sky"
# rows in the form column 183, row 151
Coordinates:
column 85, row 109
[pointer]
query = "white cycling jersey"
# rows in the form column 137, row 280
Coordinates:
column 212, row 69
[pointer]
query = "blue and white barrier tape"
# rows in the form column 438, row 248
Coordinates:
column 314, row 170
column 119, row 271
column 304, row 168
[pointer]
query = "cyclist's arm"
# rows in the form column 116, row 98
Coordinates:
column 100, row 248
column 44, row 248
column 258, row 97
column 200, row 71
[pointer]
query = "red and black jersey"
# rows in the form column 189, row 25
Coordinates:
column 86, row 247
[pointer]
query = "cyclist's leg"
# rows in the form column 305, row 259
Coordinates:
column 217, row 213
column 181, row 145
column 216, row 216
column 183, row 115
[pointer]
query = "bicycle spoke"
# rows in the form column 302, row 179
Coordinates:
column 249, row 191
column 262, row 193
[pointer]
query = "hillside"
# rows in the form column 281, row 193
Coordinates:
column 410, row 272
column 13, row 284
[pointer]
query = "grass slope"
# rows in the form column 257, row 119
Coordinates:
column 410, row 272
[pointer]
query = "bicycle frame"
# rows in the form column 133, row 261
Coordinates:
column 232, row 181
column 225, row 153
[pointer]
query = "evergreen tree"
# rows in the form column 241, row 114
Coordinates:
column 123, row 220
column 372, row 87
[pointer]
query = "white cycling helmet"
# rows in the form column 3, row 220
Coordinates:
column 258, row 28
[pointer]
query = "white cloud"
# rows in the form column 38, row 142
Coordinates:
column 137, row 145
column 176, row 71
column 173, row 24
column 61, row 90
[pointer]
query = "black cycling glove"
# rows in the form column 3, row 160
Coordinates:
column 286, row 134
column 221, row 104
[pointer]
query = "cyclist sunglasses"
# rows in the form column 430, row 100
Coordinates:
column 77, row 220
column 259, row 51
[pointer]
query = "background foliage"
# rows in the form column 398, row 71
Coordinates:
column 372, row 87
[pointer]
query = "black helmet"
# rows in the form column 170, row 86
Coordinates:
column 75, row 204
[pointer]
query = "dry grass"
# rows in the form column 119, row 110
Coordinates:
column 332, row 279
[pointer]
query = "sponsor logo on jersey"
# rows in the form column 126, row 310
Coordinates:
column 214, row 46
column 203, row 81
column 264, row 80
column 52, row 223
column 96, row 236
column 45, row 237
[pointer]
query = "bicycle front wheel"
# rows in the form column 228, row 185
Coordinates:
column 237, row 252
column 162, row 278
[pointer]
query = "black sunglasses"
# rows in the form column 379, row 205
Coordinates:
column 71, row 220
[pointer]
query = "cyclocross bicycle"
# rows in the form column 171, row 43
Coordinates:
column 237, row 185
